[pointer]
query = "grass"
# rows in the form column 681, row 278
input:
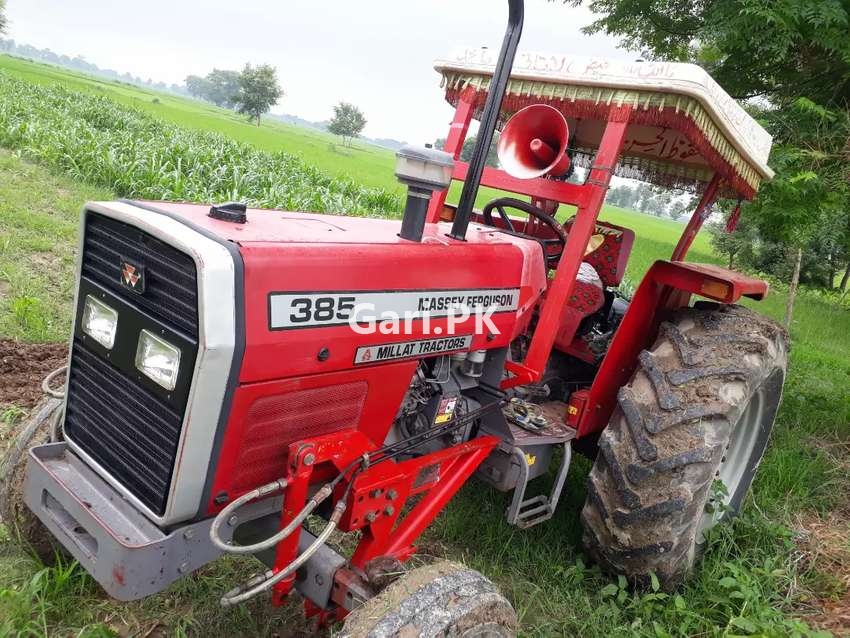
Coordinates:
column 542, row 570
column 39, row 214
column 98, row 141
column 364, row 163
column 752, row 582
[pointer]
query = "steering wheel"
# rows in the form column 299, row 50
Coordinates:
column 500, row 204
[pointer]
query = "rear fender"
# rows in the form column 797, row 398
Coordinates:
column 668, row 285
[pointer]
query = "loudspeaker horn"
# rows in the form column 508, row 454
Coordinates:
column 534, row 143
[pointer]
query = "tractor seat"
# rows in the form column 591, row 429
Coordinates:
column 587, row 298
column 602, row 268
column 589, row 292
column 610, row 259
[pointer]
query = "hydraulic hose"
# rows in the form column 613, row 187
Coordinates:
column 58, row 396
column 264, row 490
column 269, row 579
column 45, row 385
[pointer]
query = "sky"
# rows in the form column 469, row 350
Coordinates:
column 377, row 54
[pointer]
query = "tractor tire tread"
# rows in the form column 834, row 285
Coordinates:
column 659, row 456
column 441, row 599
column 23, row 527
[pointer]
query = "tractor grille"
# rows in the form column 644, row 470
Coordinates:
column 171, row 293
column 275, row 421
column 127, row 429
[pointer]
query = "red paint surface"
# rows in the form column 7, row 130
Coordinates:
column 296, row 252
column 301, row 252
column 666, row 287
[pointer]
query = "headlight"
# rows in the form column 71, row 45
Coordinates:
column 158, row 360
column 100, row 322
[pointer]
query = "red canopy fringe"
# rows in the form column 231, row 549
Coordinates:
column 665, row 118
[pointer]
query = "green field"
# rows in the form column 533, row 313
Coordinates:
column 764, row 575
column 365, row 163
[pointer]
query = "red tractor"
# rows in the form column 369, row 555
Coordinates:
column 237, row 375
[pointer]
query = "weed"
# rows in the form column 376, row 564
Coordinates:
column 11, row 415
column 46, row 602
column 28, row 313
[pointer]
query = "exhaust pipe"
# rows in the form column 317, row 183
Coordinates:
column 489, row 119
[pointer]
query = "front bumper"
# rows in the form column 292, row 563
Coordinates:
column 124, row 551
column 131, row 557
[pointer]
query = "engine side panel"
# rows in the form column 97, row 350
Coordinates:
column 401, row 277
column 303, row 381
column 267, row 416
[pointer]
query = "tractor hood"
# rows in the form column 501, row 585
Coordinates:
column 290, row 257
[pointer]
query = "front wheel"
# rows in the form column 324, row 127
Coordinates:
column 442, row 600
column 685, row 440
column 24, row 527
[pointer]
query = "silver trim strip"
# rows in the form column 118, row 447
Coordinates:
column 216, row 345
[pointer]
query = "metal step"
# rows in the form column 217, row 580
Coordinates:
column 527, row 512
column 525, row 454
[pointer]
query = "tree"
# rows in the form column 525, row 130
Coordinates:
column 621, row 196
column 661, row 202
column 628, row 197
column 651, row 199
column 348, row 122
column 808, row 194
column 2, row 16
column 751, row 47
column 258, row 91
column 737, row 246
column 223, row 88
column 792, row 55
column 469, row 146
column 681, row 207
column 198, row 87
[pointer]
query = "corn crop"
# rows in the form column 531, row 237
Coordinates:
column 139, row 156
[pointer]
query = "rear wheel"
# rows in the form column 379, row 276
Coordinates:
column 685, row 440
column 439, row 600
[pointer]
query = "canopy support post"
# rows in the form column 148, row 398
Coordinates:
column 701, row 213
column 454, row 145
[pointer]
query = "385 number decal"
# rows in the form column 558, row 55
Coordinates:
column 325, row 308
column 306, row 310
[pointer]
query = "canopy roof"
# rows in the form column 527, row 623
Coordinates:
column 682, row 126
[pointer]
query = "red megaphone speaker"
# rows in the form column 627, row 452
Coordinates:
column 534, row 143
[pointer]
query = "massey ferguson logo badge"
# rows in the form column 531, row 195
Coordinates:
column 133, row 277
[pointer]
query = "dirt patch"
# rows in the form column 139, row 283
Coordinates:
column 23, row 366
column 45, row 261
column 823, row 545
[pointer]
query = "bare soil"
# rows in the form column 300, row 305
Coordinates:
column 823, row 542
column 23, row 366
